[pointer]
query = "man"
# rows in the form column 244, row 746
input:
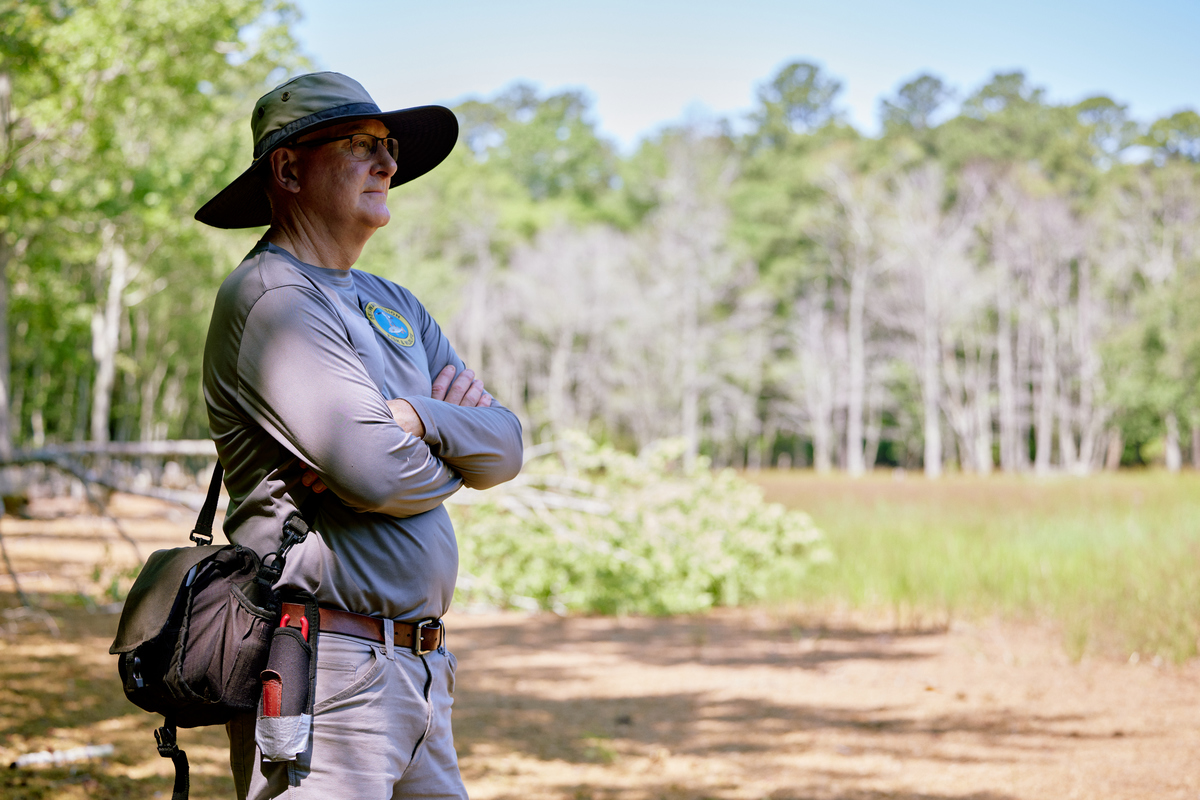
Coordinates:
column 317, row 375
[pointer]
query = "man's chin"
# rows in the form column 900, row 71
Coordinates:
column 377, row 212
column 377, row 217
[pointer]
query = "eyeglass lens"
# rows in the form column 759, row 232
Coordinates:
column 363, row 146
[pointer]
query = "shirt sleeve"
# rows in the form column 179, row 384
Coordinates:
column 482, row 444
column 300, row 379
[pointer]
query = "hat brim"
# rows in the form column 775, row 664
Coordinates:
column 427, row 134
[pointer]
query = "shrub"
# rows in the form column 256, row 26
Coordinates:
column 589, row 528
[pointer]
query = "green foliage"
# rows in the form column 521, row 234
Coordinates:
column 126, row 115
column 590, row 528
column 1009, row 121
column 548, row 144
column 916, row 102
column 798, row 99
column 1177, row 136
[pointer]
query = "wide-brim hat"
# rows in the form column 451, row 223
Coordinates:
column 305, row 103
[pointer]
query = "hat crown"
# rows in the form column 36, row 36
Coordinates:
column 304, row 99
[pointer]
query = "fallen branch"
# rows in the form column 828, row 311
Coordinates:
column 60, row 461
column 170, row 447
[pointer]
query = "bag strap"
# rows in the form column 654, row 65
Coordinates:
column 202, row 533
column 168, row 747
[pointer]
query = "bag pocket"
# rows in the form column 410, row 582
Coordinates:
column 224, row 643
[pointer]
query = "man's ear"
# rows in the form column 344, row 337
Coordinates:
column 284, row 169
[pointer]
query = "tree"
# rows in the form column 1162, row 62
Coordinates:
column 1176, row 136
column 799, row 99
column 916, row 103
column 126, row 118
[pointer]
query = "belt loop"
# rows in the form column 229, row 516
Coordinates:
column 389, row 639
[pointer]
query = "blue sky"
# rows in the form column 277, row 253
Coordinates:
column 648, row 63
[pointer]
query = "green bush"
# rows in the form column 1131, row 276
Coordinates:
column 589, row 528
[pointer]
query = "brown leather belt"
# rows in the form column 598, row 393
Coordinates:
column 347, row 622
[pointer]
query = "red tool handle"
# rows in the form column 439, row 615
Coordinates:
column 283, row 623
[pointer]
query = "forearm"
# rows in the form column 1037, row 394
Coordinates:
column 482, row 444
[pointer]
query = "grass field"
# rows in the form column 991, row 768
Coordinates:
column 1113, row 559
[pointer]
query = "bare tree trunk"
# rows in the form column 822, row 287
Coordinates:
column 106, row 329
column 152, row 384
column 477, row 316
column 857, row 373
column 1090, row 417
column 1116, row 447
column 1048, row 383
column 931, row 383
column 1174, row 454
column 1066, row 427
column 981, row 404
column 817, row 379
column 689, row 412
column 1024, row 388
column 556, row 389
column 1006, row 389
column 5, row 127
column 874, row 426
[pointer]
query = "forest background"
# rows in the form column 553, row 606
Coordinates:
column 991, row 282
column 1001, row 283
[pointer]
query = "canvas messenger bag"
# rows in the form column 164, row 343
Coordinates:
column 195, row 640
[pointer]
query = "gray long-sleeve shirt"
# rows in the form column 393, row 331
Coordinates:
column 298, row 366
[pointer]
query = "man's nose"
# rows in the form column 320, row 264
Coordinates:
column 384, row 163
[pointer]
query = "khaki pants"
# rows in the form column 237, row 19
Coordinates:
column 381, row 730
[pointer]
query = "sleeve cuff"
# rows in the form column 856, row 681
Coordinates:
column 421, row 406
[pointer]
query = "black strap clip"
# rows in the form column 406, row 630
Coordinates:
column 201, row 538
column 295, row 531
column 165, row 738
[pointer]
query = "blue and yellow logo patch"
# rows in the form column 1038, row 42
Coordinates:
column 391, row 324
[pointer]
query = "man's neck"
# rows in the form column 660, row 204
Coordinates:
column 315, row 245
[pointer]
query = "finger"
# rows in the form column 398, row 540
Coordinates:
column 485, row 401
column 319, row 487
column 471, row 398
column 460, row 386
column 308, row 478
column 442, row 382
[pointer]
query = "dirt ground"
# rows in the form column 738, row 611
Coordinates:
column 779, row 703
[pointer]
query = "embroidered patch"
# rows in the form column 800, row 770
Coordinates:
column 391, row 324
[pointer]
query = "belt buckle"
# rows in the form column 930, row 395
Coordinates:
column 418, row 629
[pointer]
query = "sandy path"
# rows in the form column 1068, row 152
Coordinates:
column 733, row 705
column 740, row 705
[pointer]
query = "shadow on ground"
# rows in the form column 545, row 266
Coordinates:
column 57, row 693
column 63, row 692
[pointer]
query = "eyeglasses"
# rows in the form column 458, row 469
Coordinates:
column 362, row 145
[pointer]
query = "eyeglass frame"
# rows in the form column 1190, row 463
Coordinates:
column 318, row 142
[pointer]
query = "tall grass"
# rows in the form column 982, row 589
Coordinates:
column 1114, row 559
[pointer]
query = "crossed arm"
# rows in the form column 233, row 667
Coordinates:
column 465, row 390
column 299, row 378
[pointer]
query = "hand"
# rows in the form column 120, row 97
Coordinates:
column 311, row 479
column 465, row 390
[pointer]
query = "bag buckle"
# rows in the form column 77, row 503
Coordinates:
column 164, row 737
column 418, row 629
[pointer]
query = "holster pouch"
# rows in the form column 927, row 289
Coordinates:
column 288, row 685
